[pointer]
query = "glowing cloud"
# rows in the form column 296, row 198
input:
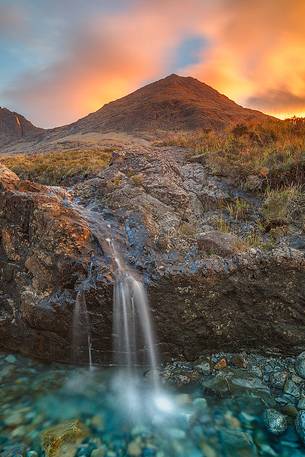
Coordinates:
column 252, row 51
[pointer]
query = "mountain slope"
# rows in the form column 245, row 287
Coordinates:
column 14, row 127
column 172, row 103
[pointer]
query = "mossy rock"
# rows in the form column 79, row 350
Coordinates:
column 63, row 439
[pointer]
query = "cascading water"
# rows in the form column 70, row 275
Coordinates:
column 133, row 337
column 134, row 345
column 81, row 322
column 132, row 322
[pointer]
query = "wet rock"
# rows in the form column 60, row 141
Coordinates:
column 286, row 400
column 291, row 388
column 63, row 439
column 275, row 422
column 14, row 419
column 300, row 365
column 237, row 443
column 290, row 410
column 100, row 452
column 13, row 451
column 300, row 425
column 234, row 382
column 278, row 378
column 301, row 403
column 134, row 448
column 10, row 359
column 239, row 361
column 200, row 404
column 222, row 363
column 180, row 374
column 204, row 368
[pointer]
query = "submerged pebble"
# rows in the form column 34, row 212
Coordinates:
column 275, row 422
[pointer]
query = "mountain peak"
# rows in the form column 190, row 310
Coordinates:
column 171, row 103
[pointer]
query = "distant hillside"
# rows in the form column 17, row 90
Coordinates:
column 173, row 103
column 14, row 127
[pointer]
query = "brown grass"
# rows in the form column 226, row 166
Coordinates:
column 284, row 206
column 58, row 168
column 274, row 151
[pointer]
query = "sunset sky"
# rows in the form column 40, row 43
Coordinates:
column 61, row 59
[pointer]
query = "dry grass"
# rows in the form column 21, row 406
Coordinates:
column 284, row 206
column 274, row 151
column 238, row 209
column 137, row 179
column 222, row 225
column 58, row 168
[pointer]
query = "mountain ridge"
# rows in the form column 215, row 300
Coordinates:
column 169, row 104
column 174, row 102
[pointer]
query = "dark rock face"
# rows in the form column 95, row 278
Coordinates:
column 159, row 207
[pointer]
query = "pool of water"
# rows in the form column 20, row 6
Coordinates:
column 118, row 418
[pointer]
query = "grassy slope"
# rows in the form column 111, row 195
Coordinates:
column 266, row 158
column 273, row 151
column 58, row 168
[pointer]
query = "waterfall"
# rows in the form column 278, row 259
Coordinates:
column 81, row 322
column 132, row 323
column 133, row 336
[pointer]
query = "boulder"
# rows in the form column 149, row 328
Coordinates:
column 275, row 422
column 300, row 365
column 300, row 425
column 62, row 440
column 223, row 244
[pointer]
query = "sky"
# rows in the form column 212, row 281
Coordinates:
column 61, row 59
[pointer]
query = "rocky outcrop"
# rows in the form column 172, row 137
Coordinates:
column 160, row 209
column 14, row 127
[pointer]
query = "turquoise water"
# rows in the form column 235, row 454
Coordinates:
column 127, row 420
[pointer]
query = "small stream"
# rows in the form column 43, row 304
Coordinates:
column 181, row 420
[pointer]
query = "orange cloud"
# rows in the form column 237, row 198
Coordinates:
column 254, row 55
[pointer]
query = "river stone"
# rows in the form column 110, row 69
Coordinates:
column 221, row 364
column 301, row 403
column 234, row 382
column 300, row 366
column 134, row 448
column 13, row 451
column 278, row 379
column 10, row 359
column 62, row 440
column 204, row 368
column 300, row 425
column 291, row 388
column 275, row 422
column 99, row 452
column 237, row 443
column 239, row 361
